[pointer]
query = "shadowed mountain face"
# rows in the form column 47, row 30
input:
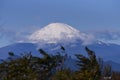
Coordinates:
column 18, row 49
column 107, row 52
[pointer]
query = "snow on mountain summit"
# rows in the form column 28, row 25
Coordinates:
column 56, row 32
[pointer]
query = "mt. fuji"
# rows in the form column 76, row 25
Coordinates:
column 57, row 33
column 54, row 35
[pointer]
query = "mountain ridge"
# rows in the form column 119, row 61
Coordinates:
column 103, row 51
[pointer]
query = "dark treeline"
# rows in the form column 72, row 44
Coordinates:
column 50, row 67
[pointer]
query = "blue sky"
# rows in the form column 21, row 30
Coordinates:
column 22, row 17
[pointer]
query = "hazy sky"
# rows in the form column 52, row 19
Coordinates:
column 21, row 17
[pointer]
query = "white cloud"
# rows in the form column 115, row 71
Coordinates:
column 10, row 35
column 87, row 38
column 108, row 36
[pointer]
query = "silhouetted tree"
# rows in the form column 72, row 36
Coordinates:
column 89, row 67
column 28, row 67
column 107, row 72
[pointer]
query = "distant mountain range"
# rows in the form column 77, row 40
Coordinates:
column 55, row 35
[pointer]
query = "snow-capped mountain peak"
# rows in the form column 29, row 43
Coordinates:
column 55, row 32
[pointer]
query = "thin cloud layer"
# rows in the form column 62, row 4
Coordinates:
column 14, row 36
column 108, row 36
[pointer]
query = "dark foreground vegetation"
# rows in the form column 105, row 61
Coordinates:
column 52, row 67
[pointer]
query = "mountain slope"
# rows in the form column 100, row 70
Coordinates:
column 107, row 52
column 18, row 49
